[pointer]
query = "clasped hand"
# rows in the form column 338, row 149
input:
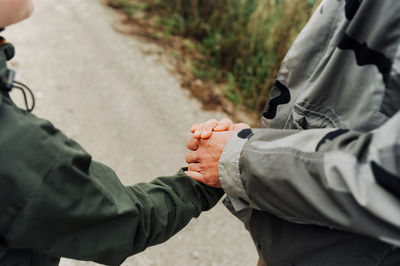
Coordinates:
column 206, row 146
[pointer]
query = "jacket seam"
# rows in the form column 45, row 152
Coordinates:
column 386, row 88
column 34, row 195
column 384, row 255
column 293, row 152
column 318, row 114
column 323, row 55
column 321, row 106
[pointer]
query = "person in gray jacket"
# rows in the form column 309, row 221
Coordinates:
column 319, row 182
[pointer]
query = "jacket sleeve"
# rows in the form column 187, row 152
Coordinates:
column 330, row 177
column 87, row 214
column 57, row 201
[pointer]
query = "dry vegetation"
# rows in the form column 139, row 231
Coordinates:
column 224, row 49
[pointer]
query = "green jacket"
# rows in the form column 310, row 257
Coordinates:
column 56, row 202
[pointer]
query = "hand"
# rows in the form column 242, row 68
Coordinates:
column 204, row 156
column 205, row 130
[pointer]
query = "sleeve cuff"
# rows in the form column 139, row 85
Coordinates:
column 229, row 172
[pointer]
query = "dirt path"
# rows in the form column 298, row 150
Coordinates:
column 127, row 110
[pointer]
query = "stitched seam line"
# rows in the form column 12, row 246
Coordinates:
column 323, row 55
column 51, row 170
column 319, row 106
column 294, row 153
column 316, row 113
column 385, row 95
column 384, row 256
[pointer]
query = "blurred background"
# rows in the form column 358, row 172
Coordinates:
column 234, row 46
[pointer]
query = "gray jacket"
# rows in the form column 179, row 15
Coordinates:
column 328, row 150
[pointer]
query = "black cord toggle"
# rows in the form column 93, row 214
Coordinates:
column 23, row 88
column 7, row 75
column 8, row 80
column 7, row 48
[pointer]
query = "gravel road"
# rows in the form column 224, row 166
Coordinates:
column 127, row 110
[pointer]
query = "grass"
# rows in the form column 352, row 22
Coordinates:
column 243, row 41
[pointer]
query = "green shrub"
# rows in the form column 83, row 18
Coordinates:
column 244, row 41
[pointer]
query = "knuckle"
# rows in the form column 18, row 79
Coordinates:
column 211, row 122
column 189, row 157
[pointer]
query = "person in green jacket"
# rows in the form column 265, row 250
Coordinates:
column 56, row 201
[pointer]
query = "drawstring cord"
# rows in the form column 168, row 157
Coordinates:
column 7, row 81
column 23, row 88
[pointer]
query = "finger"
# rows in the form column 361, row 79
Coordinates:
column 195, row 175
column 208, row 128
column 194, row 127
column 224, row 125
column 240, row 126
column 194, row 167
column 191, row 157
column 197, row 132
column 192, row 144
